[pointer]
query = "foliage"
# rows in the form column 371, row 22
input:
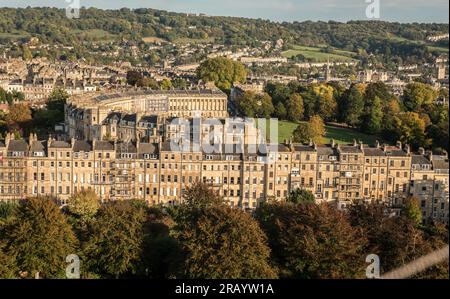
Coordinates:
column 418, row 95
column 40, row 238
column 312, row 241
column 411, row 210
column 295, row 107
column 84, row 205
column 300, row 196
column 222, row 71
column 117, row 235
column 222, row 242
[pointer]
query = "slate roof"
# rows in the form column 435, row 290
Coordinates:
column 17, row 146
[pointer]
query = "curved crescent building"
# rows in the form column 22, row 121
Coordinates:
column 87, row 114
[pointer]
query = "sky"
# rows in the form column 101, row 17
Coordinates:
column 404, row 11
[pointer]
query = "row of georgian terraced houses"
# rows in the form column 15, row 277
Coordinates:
column 159, row 175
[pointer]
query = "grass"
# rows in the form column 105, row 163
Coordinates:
column 340, row 135
column 13, row 35
column 315, row 54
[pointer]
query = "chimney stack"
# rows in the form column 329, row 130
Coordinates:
column 377, row 144
column 332, row 143
column 421, row 151
column 399, row 144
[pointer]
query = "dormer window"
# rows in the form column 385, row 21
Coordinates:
column 38, row 154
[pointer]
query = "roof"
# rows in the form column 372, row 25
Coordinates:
column 201, row 92
column 126, row 147
column 82, row 146
column 38, row 146
column 59, row 144
column 420, row 159
column 377, row 152
column 440, row 162
column 148, row 148
column 303, row 148
column 104, row 146
column 349, row 149
column 17, row 146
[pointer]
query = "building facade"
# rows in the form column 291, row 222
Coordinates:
column 159, row 173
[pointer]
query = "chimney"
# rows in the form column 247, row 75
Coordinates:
column 310, row 142
column 8, row 139
column 445, row 154
column 361, row 145
column 407, row 149
column 399, row 144
column 332, row 143
column 354, row 142
column 421, row 151
column 315, row 146
column 430, row 155
column 72, row 141
column 377, row 144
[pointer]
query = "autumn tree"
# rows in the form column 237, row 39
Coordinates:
column 84, row 205
column 303, row 241
column 316, row 128
column 294, row 106
column 40, row 238
column 219, row 241
column 418, row 95
column 326, row 105
column 19, row 116
column 302, row 133
column 117, row 236
column 410, row 128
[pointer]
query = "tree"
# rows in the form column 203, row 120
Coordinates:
column 326, row 103
column 300, row 196
column 222, row 71
column 353, row 105
column 248, row 103
column 418, row 95
column 117, row 235
column 40, row 238
column 265, row 105
column 373, row 118
column 303, row 241
column 133, row 77
column 200, row 195
column 281, row 111
column 8, row 269
column 179, row 83
column 412, row 211
column 222, row 242
column 410, row 128
column 302, row 133
column 316, row 128
column 26, row 53
column 166, row 84
column 84, row 205
column 57, row 99
column 295, row 107
column 19, row 116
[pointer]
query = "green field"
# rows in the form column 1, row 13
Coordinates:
column 14, row 35
column 340, row 135
column 315, row 54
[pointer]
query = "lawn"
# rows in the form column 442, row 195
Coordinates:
column 315, row 54
column 340, row 135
